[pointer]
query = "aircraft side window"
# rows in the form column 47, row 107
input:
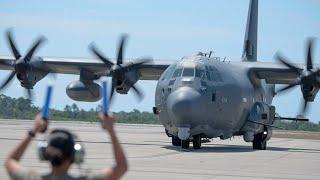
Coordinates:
column 200, row 73
column 177, row 73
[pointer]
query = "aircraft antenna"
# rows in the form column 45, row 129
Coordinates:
column 210, row 54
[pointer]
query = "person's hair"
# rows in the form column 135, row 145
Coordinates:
column 60, row 147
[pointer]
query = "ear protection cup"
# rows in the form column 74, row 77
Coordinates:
column 42, row 146
column 77, row 153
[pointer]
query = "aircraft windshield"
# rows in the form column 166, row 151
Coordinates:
column 188, row 72
column 177, row 73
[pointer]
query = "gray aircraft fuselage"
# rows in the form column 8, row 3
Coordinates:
column 202, row 95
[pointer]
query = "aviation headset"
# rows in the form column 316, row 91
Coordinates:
column 60, row 146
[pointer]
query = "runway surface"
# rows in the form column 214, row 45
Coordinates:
column 151, row 155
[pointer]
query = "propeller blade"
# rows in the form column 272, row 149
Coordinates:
column 286, row 63
column 112, row 91
column 33, row 48
column 138, row 92
column 29, row 94
column 120, row 49
column 10, row 77
column 286, row 88
column 13, row 46
column 136, row 64
column 309, row 54
column 97, row 53
column 304, row 108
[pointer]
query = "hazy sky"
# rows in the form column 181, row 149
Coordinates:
column 162, row 29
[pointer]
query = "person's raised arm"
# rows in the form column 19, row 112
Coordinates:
column 12, row 163
column 121, row 165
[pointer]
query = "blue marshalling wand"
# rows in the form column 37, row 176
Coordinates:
column 45, row 108
column 105, row 98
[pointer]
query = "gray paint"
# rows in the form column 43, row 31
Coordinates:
column 187, row 103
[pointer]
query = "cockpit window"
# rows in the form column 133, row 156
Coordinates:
column 177, row 73
column 188, row 72
column 168, row 73
column 200, row 73
column 213, row 74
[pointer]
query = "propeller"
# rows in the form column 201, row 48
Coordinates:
column 21, row 64
column 308, row 78
column 119, row 71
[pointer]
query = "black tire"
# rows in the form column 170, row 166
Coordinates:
column 259, row 142
column 185, row 144
column 196, row 142
column 175, row 141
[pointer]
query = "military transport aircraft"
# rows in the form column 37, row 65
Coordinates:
column 197, row 97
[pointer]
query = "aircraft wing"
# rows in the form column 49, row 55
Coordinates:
column 273, row 73
column 149, row 71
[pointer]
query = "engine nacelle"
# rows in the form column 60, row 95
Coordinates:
column 309, row 92
column 124, row 83
column 87, row 92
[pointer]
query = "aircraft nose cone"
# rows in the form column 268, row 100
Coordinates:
column 184, row 104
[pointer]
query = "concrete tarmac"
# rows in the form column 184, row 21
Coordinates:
column 151, row 155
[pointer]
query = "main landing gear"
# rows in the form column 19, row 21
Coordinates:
column 185, row 144
column 260, row 141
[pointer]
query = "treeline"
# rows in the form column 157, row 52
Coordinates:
column 20, row 108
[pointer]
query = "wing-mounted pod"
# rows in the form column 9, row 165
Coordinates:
column 124, row 75
column 308, row 78
column 84, row 89
column 260, row 119
column 28, row 69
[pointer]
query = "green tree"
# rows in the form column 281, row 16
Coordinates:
column 75, row 110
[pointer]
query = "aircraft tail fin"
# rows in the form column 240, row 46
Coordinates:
column 250, row 39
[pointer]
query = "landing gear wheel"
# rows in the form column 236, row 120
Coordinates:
column 196, row 142
column 176, row 141
column 259, row 142
column 185, row 144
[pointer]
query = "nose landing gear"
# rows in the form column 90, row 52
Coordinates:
column 185, row 144
column 176, row 141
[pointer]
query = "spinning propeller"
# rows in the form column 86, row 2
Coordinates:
column 119, row 71
column 21, row 64
column 309, row 79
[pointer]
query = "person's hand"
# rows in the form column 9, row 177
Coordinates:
column 39, row 124
column 107, row 121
